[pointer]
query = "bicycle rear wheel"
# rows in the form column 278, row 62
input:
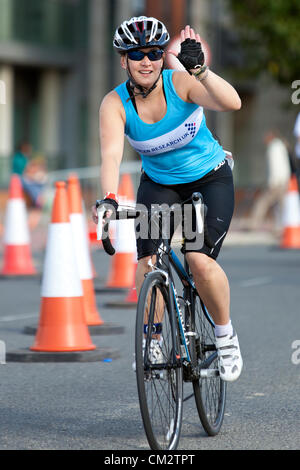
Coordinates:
column 159, row 380
column 209, row 390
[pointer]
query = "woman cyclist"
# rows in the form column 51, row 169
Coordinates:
column 161, row 113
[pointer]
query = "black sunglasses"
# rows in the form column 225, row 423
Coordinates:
column 154, row 55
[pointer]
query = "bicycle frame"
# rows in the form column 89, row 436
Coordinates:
column 166, row 257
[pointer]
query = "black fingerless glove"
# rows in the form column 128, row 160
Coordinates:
column 191, row 54
column 107, row 202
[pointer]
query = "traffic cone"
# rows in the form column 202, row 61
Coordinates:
column 123, row 266
column 17, row 252
column 291, row 216
column 126, row 190
column 86, row 220
column 62, row 325
column 82, row 253
column 132, row 297
column 92, row 231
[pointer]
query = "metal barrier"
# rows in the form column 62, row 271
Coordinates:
column 89, row 178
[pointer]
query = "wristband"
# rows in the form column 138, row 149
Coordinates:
column 201, row 77
column 109, row 195
column 200, row 71
column 108, row 201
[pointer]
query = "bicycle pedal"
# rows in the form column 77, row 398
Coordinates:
column 159, row 375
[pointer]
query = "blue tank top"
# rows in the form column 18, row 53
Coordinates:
column 177, row 149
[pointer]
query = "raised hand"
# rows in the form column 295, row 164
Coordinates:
column 191, row 55
column 189, row 33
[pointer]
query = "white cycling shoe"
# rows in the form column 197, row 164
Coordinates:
column 229, row 357
column 155, row 353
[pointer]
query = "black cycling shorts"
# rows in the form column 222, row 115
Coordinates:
column 218, row 194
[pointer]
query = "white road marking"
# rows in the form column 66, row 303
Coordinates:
column 18, row 317
column 256, row 394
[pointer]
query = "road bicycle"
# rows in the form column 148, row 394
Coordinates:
column 174, row 340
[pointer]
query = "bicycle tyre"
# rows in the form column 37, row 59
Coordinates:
column 160, row 391
column 209, row 392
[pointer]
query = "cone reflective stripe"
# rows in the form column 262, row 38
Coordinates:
column 132, row 297
column 86, row 220
column 17, row 251
column 60, row 276
column 62, row 324
column 291, row 216
column 123, row 266
column 92, row 232
column 86, row 229
column 82, row 253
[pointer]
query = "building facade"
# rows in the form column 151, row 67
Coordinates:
column 57, row 61
column 43, row 62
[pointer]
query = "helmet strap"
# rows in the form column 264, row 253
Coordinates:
column 144, row 92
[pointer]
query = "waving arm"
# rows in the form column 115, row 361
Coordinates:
column 202, row 86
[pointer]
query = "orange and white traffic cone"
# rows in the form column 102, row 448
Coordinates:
column 17, row 251
column 86, row 224
column 291, row 216
column 62, row 325
column 132, row 297
column 126, row 190
column 123, row 266
column 86, row 220
column 92, row 232
column 82, row 253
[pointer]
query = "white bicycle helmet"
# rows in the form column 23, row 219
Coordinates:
column 139, row 32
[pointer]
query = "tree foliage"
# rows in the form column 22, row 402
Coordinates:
column 270, row 33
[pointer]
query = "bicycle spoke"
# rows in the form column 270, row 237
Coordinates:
column 160, row 388
column 209, row 390
column 163, row 415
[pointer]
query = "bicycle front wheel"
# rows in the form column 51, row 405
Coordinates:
column 209, row 390
column 159, row 373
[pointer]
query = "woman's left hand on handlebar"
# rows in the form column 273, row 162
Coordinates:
column 108, row 212
column 95, row 218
